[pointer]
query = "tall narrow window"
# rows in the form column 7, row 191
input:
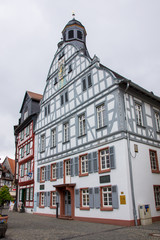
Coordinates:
column 154, row 161
column 85, row 197
column 28, row 148
column 157, row 118
column 66, row 132
column 31, row 194
column 22, row 135
column 62, row 101
column 157, row 196
column 139, row 118
column 67, row 167
column 79, row 34
column 104, row 159
column 82, row 126
column 48, row 109
column 106, row 197
column 42, row 199
column 28, row 167
column 53, row 137
column 42, row 176
column 100, row 116
column 45, row 111
column 22, row 170
column 83, row 163
column 22, row 152
column 84, row 87
column 53, row 171
column 53, row 199
column 43, row 143
column 27, row 194
column 66, row 96
column 89, row 81
column 27, row 130
column 70, row 68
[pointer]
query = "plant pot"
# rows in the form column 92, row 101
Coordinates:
column 3, row 229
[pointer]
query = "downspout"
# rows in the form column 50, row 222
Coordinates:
column 129, row 158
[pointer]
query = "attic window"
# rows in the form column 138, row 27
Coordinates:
column 79, row 34
column 70, row 34
column 55, row 81
column 70, row 68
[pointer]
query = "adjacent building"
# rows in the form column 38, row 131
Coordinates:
column 24, row 140
column 7, row 172
column 97, row 140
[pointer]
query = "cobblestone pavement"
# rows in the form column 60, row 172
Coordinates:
column 23, row 226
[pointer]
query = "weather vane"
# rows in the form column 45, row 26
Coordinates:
column 73, row 14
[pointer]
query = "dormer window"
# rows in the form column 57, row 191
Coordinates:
column 79, row 35
column 55, row 81
column 70, row 34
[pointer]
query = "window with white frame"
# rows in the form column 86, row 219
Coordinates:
column 53, row 199
column 82, row 127
column 43, row 143
column 28, row 167
column 85, row 197
column 104, row 159
column 154, row 161
column 106, row 197
column 139, row 118
column 100, row 116
column 31, row 194
column 53, row 137
column 42, row 199
column 22, row 170
column 22, row 152
column 28, row 148
column 157, row 196
column 27, row 130
column 42, row 174
column 67, row 166
column 27, row 194
column 53, row 171
column 22, row 135
column 84, row 164
column 157, row 119
column 66, row 132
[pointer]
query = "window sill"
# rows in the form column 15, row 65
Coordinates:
column 155, row 171
column 158, row 132
column 100, row 128
column 141, row 126
column 106, row 208
column 83, row 174
column 85, row 208
column 41, row 206
column 42, row 151
column 53, row 147
column 104, row 170
column 84, row 135
column 53, row 180
column 53, row 207
column 69, row 71
column 66, row 142
column 42, row 181
column 157, row 208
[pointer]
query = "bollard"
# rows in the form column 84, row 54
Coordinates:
column 56, row 210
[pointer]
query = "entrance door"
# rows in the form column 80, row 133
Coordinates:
column 67, row 203
column 67, row 172
column 23, row 196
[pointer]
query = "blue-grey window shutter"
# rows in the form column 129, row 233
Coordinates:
column 112, row 157
column 49, row 172
column 91, row 198
column 97, row 197
column 61, row 170
column 45, row 199
column 48, row 199
column 76, row 165
column 115, row 202
column 38, row 174
column 77, row 198
column 71, row 163
column 90, row 163
column 57, row 197
column 38, row 199
column 95, row 162
column 57, row 170
column 46, row 173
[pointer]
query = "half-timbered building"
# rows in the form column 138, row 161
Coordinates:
column 24, row 138
column 97, row 140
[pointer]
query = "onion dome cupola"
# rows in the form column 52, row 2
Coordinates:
column 75, row 33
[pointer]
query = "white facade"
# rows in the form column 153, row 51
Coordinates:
column 94, row 138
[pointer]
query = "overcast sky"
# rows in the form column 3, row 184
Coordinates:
column 124, row 34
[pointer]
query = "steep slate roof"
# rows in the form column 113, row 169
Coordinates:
column 32, row 95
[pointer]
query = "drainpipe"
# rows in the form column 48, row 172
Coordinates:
column 129, row 158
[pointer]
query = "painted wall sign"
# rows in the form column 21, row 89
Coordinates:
column 122, row 199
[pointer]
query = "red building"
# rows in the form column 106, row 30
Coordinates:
column 24, row 156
